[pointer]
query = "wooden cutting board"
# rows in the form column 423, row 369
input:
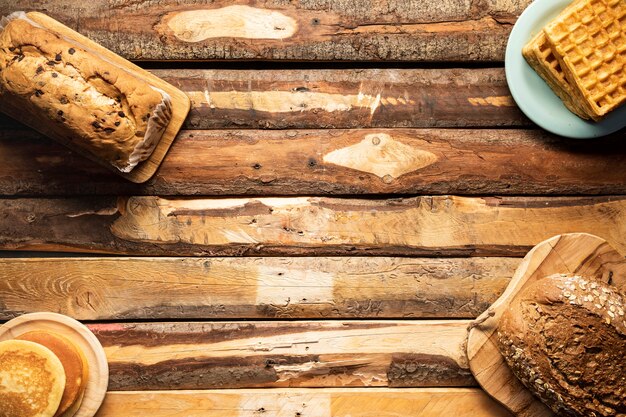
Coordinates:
column 180, row 104
column 82, row 337
column 575, row 253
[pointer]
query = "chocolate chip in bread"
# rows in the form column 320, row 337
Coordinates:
column 564, row 337
column 96, row 105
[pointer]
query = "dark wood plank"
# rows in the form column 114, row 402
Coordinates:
column 204, row 355
column 309, row 99
column 444, row 226
column 317, row 30
column 322, row 162
column 305, row 99
column 237, row 288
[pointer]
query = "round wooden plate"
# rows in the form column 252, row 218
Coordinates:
column 575, row 253
column 82, row 337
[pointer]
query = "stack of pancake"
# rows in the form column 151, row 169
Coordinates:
column 581, row 54
column 42, row 374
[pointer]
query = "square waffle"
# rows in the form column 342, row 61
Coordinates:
column 540, row 57
column 589, row 41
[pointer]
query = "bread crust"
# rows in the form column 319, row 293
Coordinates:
column 564, row 337
column 98, row 106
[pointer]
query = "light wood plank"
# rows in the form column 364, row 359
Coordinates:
column 444, row 226
column 316, row 30
column 424, row 402
column 236, row 288
column 364, row 161
column 202, row 355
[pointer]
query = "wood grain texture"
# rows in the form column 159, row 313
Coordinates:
column 229, row 288
column 202, row 355
column 576, row 253
column 318, row 162
column 444, row 226
column 317, row 30
column 344, row 98
column 294, row 402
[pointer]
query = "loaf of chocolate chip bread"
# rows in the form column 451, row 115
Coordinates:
column 564, row 337
column 95, row 105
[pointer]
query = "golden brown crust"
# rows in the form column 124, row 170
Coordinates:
column 100, row 107
column 540, row 57
column 31, row 380
column 589, row 38
column 71, row 360
column 564, row 337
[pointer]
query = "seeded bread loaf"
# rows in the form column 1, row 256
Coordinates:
column 564, row 338
column 97, row 106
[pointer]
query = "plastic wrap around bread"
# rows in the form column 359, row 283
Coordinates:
column 66, row 86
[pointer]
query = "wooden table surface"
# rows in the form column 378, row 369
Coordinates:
column 353, row 185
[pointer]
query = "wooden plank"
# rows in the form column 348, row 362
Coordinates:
column 352, row 402
column 345, row 98
column 440, row 225
column 316, row 30
column 203, row 355
column 317, row 162
column 237, row 288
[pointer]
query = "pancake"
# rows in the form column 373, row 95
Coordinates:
column 74, row 408
column 73, row 364
column 32, row 380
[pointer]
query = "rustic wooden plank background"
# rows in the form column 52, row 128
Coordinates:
column 281, row 288
column 354, row 181
column 327, row 162
column 306, row 30
column 389, row 402
column 285, row 354
column 427, row 225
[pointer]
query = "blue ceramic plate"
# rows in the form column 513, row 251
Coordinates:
column 533, row 95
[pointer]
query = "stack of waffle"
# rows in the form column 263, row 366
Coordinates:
column 581, row 54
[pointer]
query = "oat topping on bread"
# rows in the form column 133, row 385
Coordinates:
column 564, row 337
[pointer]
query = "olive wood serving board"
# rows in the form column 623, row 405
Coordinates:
column 83, row 338
column 574, row 253
column 180, row 104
